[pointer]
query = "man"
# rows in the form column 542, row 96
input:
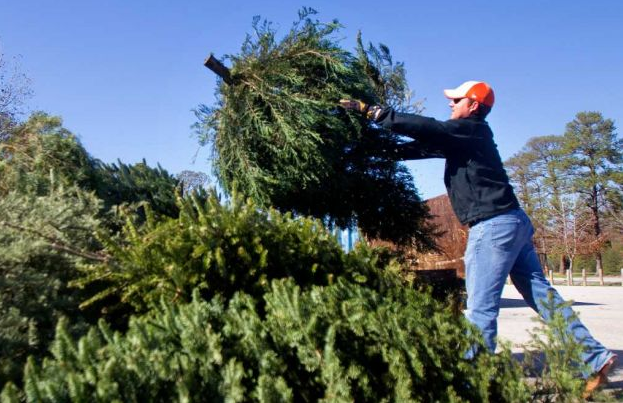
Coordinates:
column 500, row 233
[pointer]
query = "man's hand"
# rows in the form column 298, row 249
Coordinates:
column 354, row 105
column 370, row 112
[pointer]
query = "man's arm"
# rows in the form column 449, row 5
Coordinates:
column 442, row 137
column 414, row 126
column 412, row 150
column 449, row 137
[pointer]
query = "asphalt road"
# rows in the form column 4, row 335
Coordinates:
column 599, row 308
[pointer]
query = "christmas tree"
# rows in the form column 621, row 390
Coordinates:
column 338, row 343
column 278, row 136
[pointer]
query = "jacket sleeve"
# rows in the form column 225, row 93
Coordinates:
column 445, row 137
column 413, row 150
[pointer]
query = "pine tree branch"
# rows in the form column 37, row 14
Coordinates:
column 58, row 245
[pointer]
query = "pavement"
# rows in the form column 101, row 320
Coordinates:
column 600, row 308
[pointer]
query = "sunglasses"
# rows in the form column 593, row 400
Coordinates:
column 457, row 100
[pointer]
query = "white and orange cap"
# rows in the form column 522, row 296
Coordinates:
column 477, row 90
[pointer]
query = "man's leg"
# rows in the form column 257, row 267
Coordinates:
column 492, row 248
column 527, row 276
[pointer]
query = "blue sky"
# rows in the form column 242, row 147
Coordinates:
column 125, row 75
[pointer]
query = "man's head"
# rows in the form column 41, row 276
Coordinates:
column 472, row 98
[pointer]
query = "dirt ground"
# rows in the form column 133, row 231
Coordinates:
column 600, row 308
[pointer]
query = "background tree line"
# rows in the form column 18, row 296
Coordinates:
column 571, row 185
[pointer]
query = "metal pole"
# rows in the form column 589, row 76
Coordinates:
column 350, row 239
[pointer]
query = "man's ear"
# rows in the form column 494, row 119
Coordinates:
column 473, row 107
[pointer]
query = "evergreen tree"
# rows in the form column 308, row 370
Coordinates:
column 520, row 168
column 49, row 214
column 42, row 240
column 278, row 137
column 594, row 161
column 122, row 184
column 554, row 357
column 343, row 342
column 220, row 249
column 241, row 304
column 38, row 147
column 42, row 146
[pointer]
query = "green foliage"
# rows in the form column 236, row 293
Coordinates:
column 38, row 148
column 122, row 184
column 239, row 304
column 538, row 176
column 42, row 148
column 49, row 215
column 278, row 137
column 386, row 77
column 613, row 258
column 594, row 155
column 557, row 357
column 221, row 249
column 290, row 317
column 342, row 342
column 42, row 239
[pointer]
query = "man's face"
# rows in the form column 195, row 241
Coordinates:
column 462, row 107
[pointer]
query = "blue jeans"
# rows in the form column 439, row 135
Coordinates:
column 502, row 246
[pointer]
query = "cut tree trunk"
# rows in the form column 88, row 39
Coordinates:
column 219, row 69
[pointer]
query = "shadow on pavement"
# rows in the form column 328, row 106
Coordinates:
column 520, row 303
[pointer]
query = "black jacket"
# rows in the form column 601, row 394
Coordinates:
column 474, row 175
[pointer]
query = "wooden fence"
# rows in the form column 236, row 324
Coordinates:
column 585, row 280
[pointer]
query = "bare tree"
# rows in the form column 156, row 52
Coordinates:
column 577, row 239
column 537, row 175
column 193, row 180
column 14, row 91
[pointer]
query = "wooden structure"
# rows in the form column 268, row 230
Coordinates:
column 452, row 241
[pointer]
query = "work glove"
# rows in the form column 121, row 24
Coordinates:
column 354, row 105
column 370, row 112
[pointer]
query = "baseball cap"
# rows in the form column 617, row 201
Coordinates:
column 476, row 90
